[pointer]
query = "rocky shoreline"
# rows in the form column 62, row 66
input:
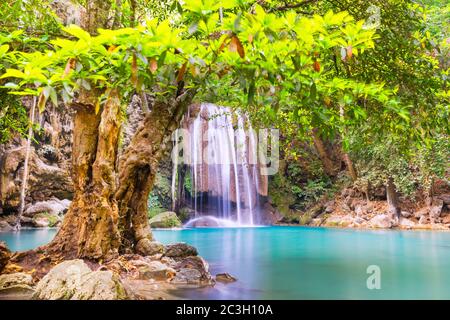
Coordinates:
column 130, row 276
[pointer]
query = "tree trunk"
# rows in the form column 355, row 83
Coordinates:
column 89, row 228
column 350, row 167
column 23, row 188
column 138, row 166
column 323, row 154
column 392, row 199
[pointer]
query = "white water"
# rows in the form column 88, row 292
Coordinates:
column 221, row 163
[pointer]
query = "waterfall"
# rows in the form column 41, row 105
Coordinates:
column 219, row 158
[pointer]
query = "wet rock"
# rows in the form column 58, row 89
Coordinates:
column 147, row 247
column 166, row 219
column 16, row 284
column 54, row 207
column 73, row 280
column 180, row 250
column 5, row 226
column 225, row 278
column 5, row 255
column 197, row 263
column 154, row 270
column 187, row 276
column 381, row 221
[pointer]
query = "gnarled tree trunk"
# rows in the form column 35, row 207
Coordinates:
column 90, row 226
column 138, row 166
column 392, row 199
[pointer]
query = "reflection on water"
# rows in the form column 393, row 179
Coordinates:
column 307, row 263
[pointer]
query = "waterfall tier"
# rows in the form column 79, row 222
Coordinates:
column 216, row 169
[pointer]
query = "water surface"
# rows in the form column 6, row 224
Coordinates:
column 307, row 263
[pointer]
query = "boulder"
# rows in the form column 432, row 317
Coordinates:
column 406, row 223
column 147, row 247
column 5, row 226
column 187, row 276
column 180, row 250
column 73, row 280
column 54, row 207
column 153, row 270
column 445, row 198
column 423, row 219
column 406, row 214
column 5, row 255
column 436, row 209
column 339, row 221
column 166, row 219
column 381, row 221
column 330, row 206
column 16, row 284
column 225, row 278
column 43, row 220
column 197, row 263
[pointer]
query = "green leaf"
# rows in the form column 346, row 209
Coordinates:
column 13, row 73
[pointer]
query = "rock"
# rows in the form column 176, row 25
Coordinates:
column 381, row 221
column 445, row 198
column 339, row 221
column 154, row 270
column 360, row 210
column 225, row 278
column 423, row 219
column 147, row 247
column 166, row 219
column 73, row 280
column 422, row 212
column 329, row 206
column 180, row 250
column 406, row 223
column 436, row 209
column 5, row 226
column 43, row 220
column 54, row 207
column 197, row 263
column 187, row 276
column 359, row 220
column 406, row 214
column 5, row 255
column 16, row 284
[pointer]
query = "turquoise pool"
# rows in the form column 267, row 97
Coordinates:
column 307, row 263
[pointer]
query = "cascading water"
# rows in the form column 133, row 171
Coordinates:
column 219, row 177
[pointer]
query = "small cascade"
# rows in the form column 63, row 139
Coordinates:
column 219, row 176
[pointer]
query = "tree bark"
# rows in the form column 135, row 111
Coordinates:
column 350, row 167
column 392, row 199
column 323, row 154
column 23, row 188
column 138, row 166
column 89, row 228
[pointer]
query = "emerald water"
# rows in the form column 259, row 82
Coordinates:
column 307, row 263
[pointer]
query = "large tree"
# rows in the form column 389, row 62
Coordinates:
column 233, row 52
